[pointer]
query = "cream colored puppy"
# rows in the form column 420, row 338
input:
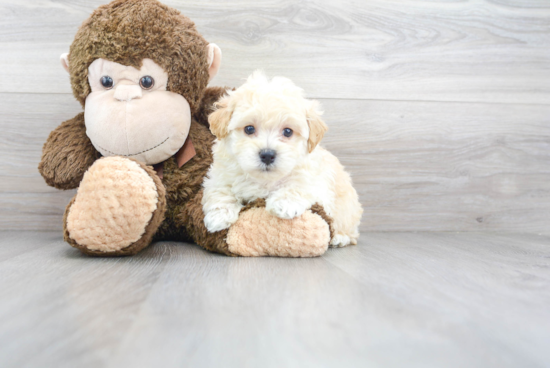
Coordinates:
column 267, row 147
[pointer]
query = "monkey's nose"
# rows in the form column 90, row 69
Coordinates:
column 125, row 92
column 267, row 156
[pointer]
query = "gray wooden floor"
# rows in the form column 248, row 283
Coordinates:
column 395, row 300
column 441, row 112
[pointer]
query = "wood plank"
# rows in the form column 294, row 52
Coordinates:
column 445, row 166
column 66, row 301
column 396, row 299
column 483, row 280
column 417, row 165
column 494, row 51
column 26, row 202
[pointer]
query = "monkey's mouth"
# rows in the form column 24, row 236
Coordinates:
column 134, row 154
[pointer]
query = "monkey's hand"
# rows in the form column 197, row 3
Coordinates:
column 67, row 154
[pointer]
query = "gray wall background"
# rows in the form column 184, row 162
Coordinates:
column 440, row 109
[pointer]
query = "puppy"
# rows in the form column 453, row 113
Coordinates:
column 267, row 147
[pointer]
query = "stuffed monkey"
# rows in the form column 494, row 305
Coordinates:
column 141, row 148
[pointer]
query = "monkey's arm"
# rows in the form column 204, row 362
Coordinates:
column 211, row 95
column 67, row 154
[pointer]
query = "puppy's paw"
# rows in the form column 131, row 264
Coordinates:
column 221, row 218
column 339, row 241
column 286, row 208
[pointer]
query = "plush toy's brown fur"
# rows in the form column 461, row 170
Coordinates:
column 126, row 32
column 67, row 154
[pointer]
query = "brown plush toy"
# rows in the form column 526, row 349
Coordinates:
column 141, row 148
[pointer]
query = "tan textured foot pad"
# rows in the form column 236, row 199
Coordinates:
column 119, row 202
column 258, row 233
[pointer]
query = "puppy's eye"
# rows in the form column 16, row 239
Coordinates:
column 249, row 129
column 287, row 132
column 147, row 82
column 107, row 82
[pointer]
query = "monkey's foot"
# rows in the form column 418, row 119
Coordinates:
column 259, row 233
column 119, row 206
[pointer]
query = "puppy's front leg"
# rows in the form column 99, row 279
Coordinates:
column 287, row 203
column 221, row 209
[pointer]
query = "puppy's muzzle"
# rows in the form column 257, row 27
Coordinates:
column 268, row 156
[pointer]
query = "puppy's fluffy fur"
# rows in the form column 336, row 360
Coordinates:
column 301, row 174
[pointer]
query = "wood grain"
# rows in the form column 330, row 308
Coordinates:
column 400, row 299
column 383, row 70
column 416, row 165
column 26, row 202
column 391, row 50
column 66, row 302
column 441, row 112
column 445, row 166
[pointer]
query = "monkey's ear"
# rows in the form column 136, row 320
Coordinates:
column 317, row 127
column 64, row 58
column 214, row 60
column 219, row 119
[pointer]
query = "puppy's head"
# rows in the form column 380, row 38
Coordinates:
column 267, row 126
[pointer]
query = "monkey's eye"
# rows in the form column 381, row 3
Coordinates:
column 107, row 82
column 249, row 129
column 147, row 82
column 287, row 132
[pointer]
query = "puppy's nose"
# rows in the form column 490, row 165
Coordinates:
column 267, row 156
column 125, row 92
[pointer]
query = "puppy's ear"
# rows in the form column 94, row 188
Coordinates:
column 219, row 119
column 317, row 127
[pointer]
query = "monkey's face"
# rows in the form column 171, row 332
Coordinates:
column 130, row 113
